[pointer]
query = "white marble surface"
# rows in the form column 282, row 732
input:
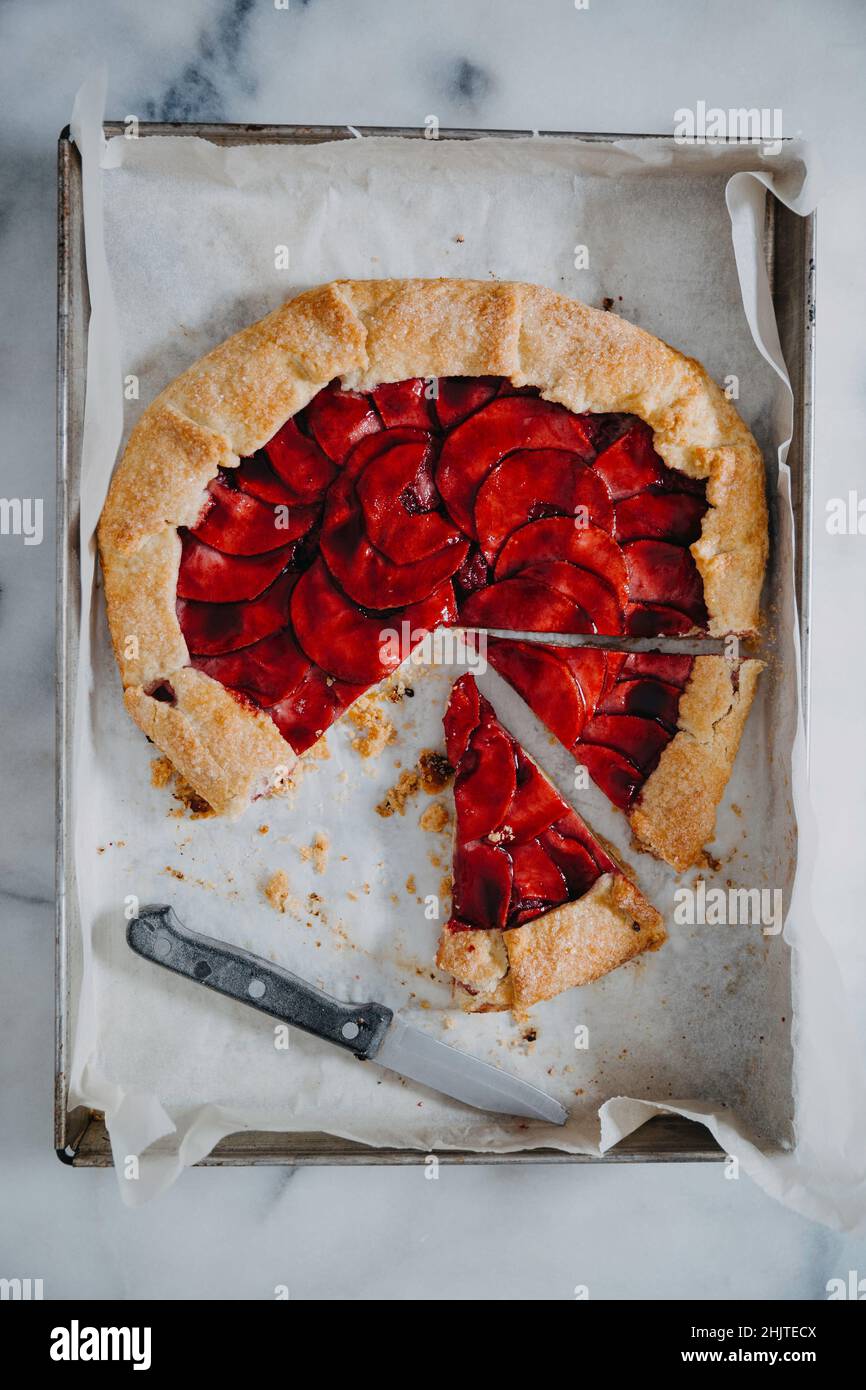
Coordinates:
column 503, row 1233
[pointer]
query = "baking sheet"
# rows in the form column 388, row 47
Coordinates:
column 703, row 1026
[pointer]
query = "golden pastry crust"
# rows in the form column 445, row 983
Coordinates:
column 571, row 945
column 365, row 332
column 675, row 813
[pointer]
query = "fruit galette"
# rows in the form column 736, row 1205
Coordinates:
column 401, row 455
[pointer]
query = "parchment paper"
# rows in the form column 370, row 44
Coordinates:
column 181, row 243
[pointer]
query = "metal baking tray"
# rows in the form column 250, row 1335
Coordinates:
column 80, row 1136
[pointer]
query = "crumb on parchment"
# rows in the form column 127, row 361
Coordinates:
column 375, row 731
column 317, row 851
column 434, row 817
column 411, row 885
column 277, row 890
column 163, row 773
column 431, row 774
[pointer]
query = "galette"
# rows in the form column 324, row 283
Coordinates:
column 381, row 455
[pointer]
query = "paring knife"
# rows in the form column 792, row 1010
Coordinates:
column 373, row 1032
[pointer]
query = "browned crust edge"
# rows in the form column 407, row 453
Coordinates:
column 232, row 401
column 569, row 946
column 675, row 814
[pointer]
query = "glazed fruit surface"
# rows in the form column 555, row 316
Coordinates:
column 615, row 711
column 520, row 850
column 464, row 499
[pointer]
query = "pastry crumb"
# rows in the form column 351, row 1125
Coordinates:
column 406, row 787
column 175, row 873
column 162, row 774
column 263, row 829
column 434, row 770
column 411, row 885
column 317, row 851
column 277, row 890
column 434, row 817
column 375, row 732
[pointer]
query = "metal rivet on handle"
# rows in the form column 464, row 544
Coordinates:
column 256, row 989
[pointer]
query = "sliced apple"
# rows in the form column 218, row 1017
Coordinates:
column 536, row 803
column 256, row 476
column 630, row 464
column 238, row 524
column 461, row 718
column 347, row 643
column 666, row 516
column 523, row 605
column 639, row 740
column 534, row 483
column 481, row 891
column 665, row 574
column 646, row 698
column 594, row 595
column 656, row 620
column 210, row 577
column 664, row 666
column 619, row 779
column 269, row 670
column 338, row 419
column 301, row 464
column 576, row 864
column 395, row 492
column 544, row 682
column 211, row 629
column 316, row 701
column 481, row 442
column 538, row 883
column 403, row 403
column 485, row 782
column 557, row 538
column 460, row 396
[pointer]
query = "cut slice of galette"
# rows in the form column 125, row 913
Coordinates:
column 657, row 731
column 539, row 903
column 390, row 456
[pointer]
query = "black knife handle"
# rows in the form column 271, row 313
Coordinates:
column 158, row 935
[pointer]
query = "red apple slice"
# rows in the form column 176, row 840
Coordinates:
column 403, row 403
column 648, row 699
column 392, row 491
column 482, row 441
column 662, row 666
column 594, row 595
column 557, row 538
column 482, row 885
column 300, row 463
column 373, row 580
column 536, row 803
column 619, row 779
column 534, row 483
column 655, row 620
column 576, row 864
column 544, row 682
column 639, row 740
column 312, row 707
column 460, row 396
column 372, row 447
column 348, row 644
column 462, row 717
column 210, row 577
column 235, row 523
column 667, row 516
column 523, row 605
column 573, row 828
column 630, row 464
column 338, row 419
column 538, row 885
column 485, row 782
column 211, row 629
column 665, row 574
column 268, row 670
column 256, row 476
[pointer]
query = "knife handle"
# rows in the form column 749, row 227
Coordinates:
column 159, row 936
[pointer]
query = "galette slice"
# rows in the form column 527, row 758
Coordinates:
column 657, row 732
column 539, row 903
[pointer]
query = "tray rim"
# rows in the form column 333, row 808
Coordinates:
column 80, row 1136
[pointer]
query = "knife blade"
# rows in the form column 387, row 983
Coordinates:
column 371, row 1031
